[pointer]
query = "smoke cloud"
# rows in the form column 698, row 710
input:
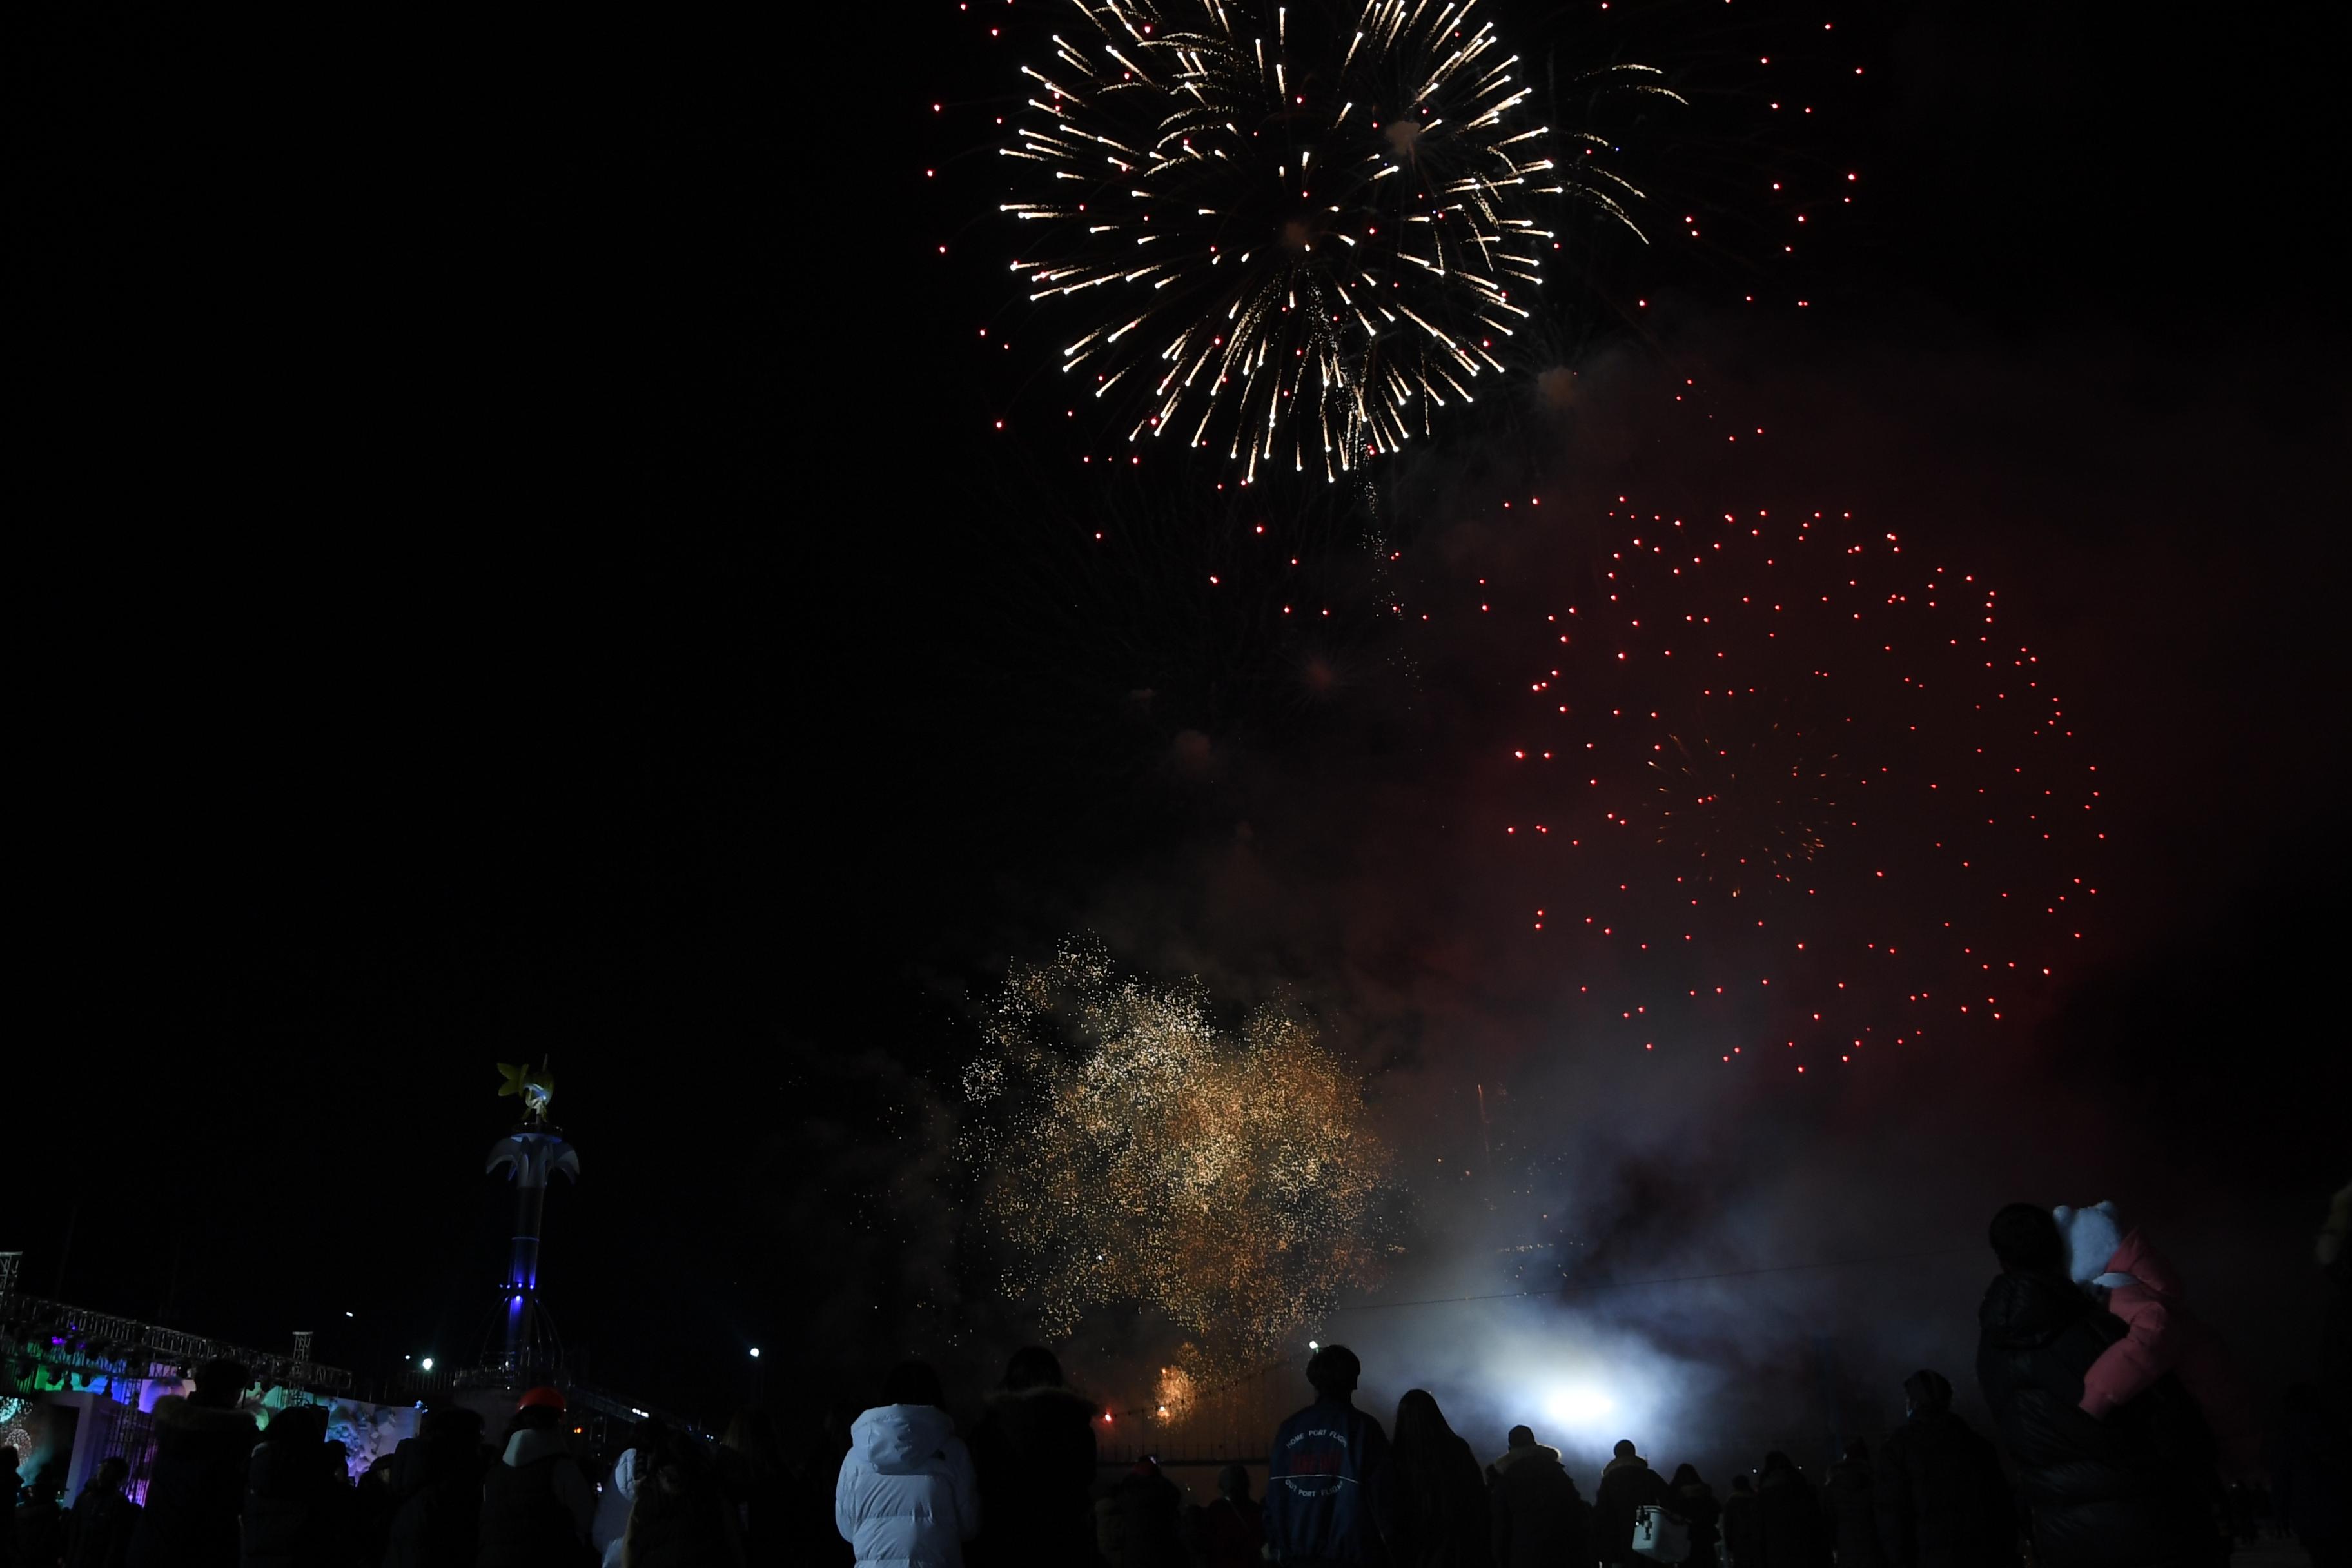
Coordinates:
column 1604, row 1243
column 1718, row 1262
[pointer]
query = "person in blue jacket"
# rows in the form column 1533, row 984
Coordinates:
column 1327, row 1491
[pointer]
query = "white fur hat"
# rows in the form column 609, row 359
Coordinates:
column 2091, row 1236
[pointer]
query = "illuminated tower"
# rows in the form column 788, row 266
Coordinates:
column 536, row 1150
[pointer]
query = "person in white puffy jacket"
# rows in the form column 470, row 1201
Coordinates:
column 613, row 1501
column 906, row 1496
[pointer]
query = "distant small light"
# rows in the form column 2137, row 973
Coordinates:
column 426, row 1363
column 755, row 1352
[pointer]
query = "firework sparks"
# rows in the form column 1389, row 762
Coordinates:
column 1300, row 237
column 1800, row 790
column 1138, row 1153
column 1175, row 1394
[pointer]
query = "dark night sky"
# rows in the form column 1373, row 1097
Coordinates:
column 517, row 564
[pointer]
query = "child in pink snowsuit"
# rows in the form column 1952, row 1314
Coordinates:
column 2140, row 1288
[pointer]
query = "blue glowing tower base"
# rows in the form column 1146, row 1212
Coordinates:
column 531, row 1352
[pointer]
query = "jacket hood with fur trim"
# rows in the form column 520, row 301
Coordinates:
column 533, row 1444
column 1511, row 1457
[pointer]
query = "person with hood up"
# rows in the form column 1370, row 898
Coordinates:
column 8, row 1483
column 1231, row 1532
column 616, row 1499
column 2315, row 1475
column 1940, row 1497
column 1694, row 1503
column 2135, row 1488
column 1742, row 1525
column 2335, row 1259
column 1139, row 1520
column 1852, row 1512
column 436, row 1492
column 2121, row 1269
column 1441, row 1517
column 681, row 1518
column 103, row 1518
column 195, row 1489
column 619, row 1492
column 1033, row 1452
column 297, row 1499
column 1853, row 1516
column 758, row 1481
column 2312, row 1459
column 1326, row 1489
column 1627, row 1485
column 1789, row 1525
column 1536, row 1518
column 371, row 1511
column 906, row 1496
column 41, row 1521
column 537, row 1502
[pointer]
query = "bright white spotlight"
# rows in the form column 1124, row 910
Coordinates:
column 1578, row 1406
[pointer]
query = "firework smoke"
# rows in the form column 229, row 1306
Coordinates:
column 1138, row 1154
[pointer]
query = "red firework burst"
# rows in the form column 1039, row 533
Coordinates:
column 1797, row 789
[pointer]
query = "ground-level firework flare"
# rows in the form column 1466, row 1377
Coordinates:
column 1137, row 1153
column 1794, row 786
column 1297, row 232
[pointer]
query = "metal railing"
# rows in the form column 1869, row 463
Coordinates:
column 61, row 1336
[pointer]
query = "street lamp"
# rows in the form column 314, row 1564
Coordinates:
column 426, row 1363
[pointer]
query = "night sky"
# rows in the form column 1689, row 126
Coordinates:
column 521, row 562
